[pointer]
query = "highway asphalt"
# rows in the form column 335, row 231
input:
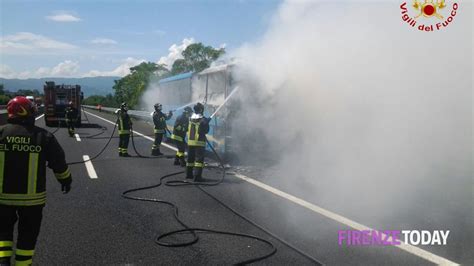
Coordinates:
column 94, row 225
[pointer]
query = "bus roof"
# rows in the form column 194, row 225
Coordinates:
column 214, row 69
column 176, row 77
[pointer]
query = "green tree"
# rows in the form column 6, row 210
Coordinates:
column 196, row 58
column 4, row 99
column 179, row 66
column 106, row 101
column 94, row 100
column 22, row 92
column 130, row 88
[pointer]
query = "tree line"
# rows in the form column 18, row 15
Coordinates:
column 6, row 95
column 196, row 57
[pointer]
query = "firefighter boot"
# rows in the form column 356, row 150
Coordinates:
column 189, row 172
column 182, row 161
column 5, row 261
column 198, row 176
column 156, row 152
column 176, row 160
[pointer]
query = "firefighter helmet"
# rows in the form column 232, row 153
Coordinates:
column 158, row 106
column 199, row 108
column 188, row 110
column 20, row 107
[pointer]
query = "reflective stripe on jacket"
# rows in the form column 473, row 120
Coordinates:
column 180, row 127
column 159, row 120
column 71, row 114
column 197, row 130
column 124, row 122
column 24, row 152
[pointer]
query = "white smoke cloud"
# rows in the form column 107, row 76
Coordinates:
column 63, row 16
column 120, row 71
column 350, row 99
column 103, row 41
column 7, row 72
column 175, row 51
column 27, row 42
column 67, row 68
column 159, row 32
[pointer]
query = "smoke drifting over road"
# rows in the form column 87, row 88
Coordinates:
column 345, row 97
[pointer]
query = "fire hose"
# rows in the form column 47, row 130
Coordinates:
column 194, row 231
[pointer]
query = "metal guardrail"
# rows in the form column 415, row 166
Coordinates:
column 4, row 111
column 141, row 115
column 146, row 116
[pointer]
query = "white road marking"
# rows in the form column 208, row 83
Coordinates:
column 39, row 117
column 89, row 167
column 331, row 215
column 77, row 137
column 138, row 133
column 343, row 220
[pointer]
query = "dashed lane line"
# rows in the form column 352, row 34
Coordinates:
column 343, row 220
column 138, row 133
column 77, row 137
column 89, row 167
column 331, row 215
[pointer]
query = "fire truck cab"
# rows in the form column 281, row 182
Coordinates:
column 56, row 100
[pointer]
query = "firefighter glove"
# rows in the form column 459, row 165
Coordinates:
column 66, row 185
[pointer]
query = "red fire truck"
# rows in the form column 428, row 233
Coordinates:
column 57, row 98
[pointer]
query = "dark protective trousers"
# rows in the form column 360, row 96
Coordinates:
column 181, row 145
column 179, row 159
column 195, row 161
column 29, row 223
column 70, row 127
column 157, row 142
column 123, row 143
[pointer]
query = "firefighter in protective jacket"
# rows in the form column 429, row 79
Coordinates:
column 71, row 118
column 159, row 119
column 124, row 127
column 197, row 129
column 24, row 151
column 179, row 134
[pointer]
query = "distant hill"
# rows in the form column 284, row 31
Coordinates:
column 90, row 85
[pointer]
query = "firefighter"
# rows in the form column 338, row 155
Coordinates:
column 71, row 118
column 179, row 133
column 24, row 151
column 124, row 126
column 197, row 129
column 159, row 119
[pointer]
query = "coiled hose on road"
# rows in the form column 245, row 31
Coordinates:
column 103, row 148
column 195, row 231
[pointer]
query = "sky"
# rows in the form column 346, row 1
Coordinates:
column 77, row 38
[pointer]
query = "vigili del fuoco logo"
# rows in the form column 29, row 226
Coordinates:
column 428, row 15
